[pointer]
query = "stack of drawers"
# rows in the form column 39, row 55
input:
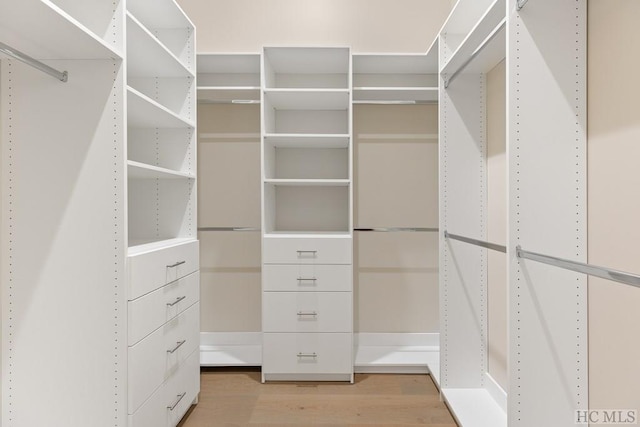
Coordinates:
column 307, row 308
column 164, row 334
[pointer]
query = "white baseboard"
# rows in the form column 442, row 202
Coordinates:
column 374, row 352
column 230, row 348
column 496, row 391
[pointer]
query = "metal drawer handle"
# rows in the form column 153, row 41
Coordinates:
column 173, row 350
column 176, row 264
column 313, row 355
column 180, row 397
column 307, row 279
column 307, row 313
column 171, row 304
column 300, row 253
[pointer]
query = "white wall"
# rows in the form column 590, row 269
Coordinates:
column 365, row 25
column 614, row 205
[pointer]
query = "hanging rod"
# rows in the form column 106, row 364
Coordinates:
column 579, row 267
column 8, row 50
column 476, row 52
column 476, row 242
column 392, row 102
column 399, row 229
column 520, row 4
column 228, row 229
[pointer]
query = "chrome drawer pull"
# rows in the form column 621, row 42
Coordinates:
column 300, row 253
column 307, row 313
column 176, row 264
column 307, row 279
column 313, row 355
column 180, row 397
column 173, row 350
column 171, row 304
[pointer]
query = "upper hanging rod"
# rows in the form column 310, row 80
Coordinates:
column 592, row 270
column 475, row 53
column 8, row 50
column 476, row 242
column 228, row 229
column 520, row 3
column 398, row 229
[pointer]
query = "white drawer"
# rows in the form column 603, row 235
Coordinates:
column 307, row 250
column 307, row 312
column 307, row 278
column 307, row 353
column 151, row 270
column 153, row 359
column 157, row 412
column 149, row 312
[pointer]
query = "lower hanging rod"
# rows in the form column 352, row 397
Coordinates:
column 580, row 267
column 63, row 76
column 398, row 229
column 476, row 242
column 228, row 229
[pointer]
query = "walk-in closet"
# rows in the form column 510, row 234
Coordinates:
column 319, row 212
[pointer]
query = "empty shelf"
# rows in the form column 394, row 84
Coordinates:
column 144, row 112
column 144, row 171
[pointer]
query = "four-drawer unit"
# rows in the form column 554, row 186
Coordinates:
column 164, row 333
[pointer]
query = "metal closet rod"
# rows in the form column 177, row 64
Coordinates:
column 475, row 53
column 481, row 243
column 520, row 3
column 63, row 76
column 580, row 267
column 398, row 229
column 228, row 229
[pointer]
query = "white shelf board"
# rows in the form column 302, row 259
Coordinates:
column 418, row 94
column 147, row 56
column 308, row 60
column 474, row 40
column 228, row 63
column 159, row 13
column 144, row 171
column 229, row 94
column 307, row 140
column 394, row 64
column 308, row 99
column 144, row 112
column 142, row 246
column 42, row 30
column 309, row 182
column 308, row 234
column 474, row 407
column 464, row 15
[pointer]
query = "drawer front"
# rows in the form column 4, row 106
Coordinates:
column 307, row 312
column 307, row 353
column 307, row 278
column 149, row 312
column 154, row 269
column 153, row 359
column 157, row 412
column 307, row 250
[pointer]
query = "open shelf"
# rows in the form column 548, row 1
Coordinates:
column 148, row 56
column 229, row 70
column 474, row 407
column 139, row 170
column 463, row 17
column 401, row 94
column 308, row 99
column 43, row 30
column 307, row 140
column 141, row 246
column 309, row 182
column 144, row 112
column 306, row 67
column 229, row 95
column 486, row 41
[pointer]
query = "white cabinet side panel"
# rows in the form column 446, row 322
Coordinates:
column 463, row 284
column 63, row 268
column 547, row 211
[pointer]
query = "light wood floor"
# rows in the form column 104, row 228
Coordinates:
column 238, row 399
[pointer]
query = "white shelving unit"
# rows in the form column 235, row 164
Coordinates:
column 229, row 78
column 307, row 211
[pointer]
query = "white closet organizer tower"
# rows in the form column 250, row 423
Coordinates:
column 163, row 259
column 99, row 250
column 307, row 214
